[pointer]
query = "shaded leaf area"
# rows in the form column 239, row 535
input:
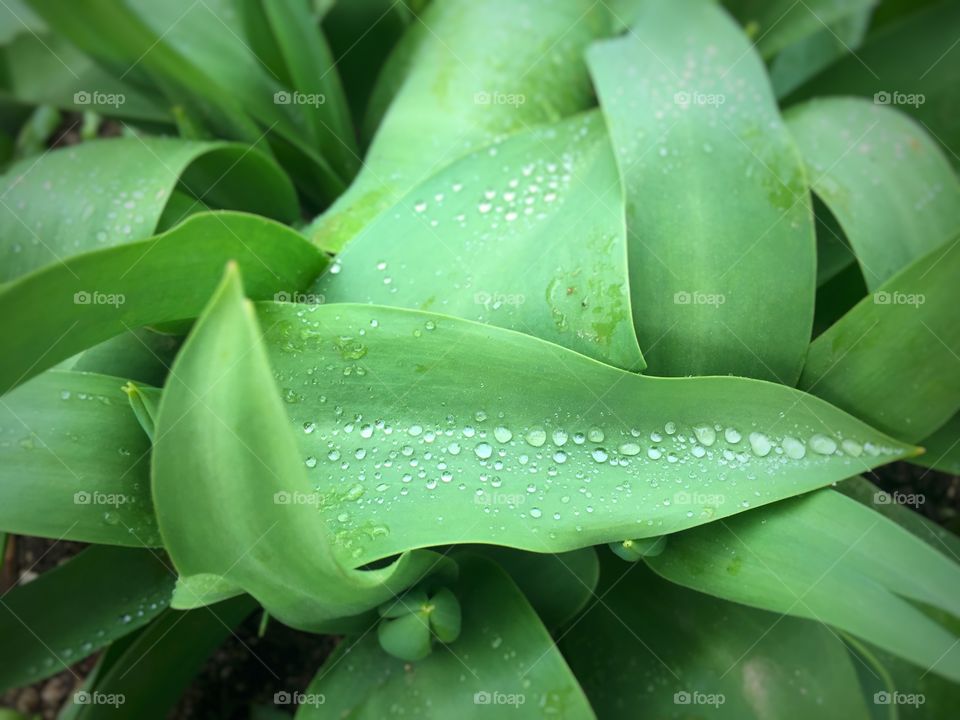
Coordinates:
column 412, row 433
column 74, row 463
column 503, row 662
column 908, row 63
column 119, row 589
column 64, row 308
column 717, row 204
column 780, row 24
column 151, row 670
column 472, row 75
column 109, row 192
column 647, row 643
column 855, row 570
column 220, row 64
column 888, row 184
column 530, row 238
column 943, row 448
column 227, row 483
column 867, row 362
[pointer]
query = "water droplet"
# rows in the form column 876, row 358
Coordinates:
column 595, row 435
column 732, row 436
column 366, row 431
column 629, row 449
column 560, row 438
column 654, row 453
column 852, row 448
column 415, row 430
column 535, row 513
column 310, row 462
column 822, row 445
column 560, row 457
column 670, row 428
column 483, row 451
column 760, row 444
column 536, row 437
column 333, row 455
column 502, row 434
column 600, row 455
column 706, row 435
column 794, row 449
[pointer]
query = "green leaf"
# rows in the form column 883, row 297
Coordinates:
column 475, row 236
column 406, row 637
column 108, row 192
column 800, row 61
column 230, row 492
column 118, row 589
column 455, row 100
column 849, row 144
column 73, row 462
column 909, row 63
column 717, row 210
column 855, row 570
column 445, row 616
column 779, row 24
column 557, row 586
column 141, row 355
column 504, row 664
column 943, row 448
column 145, row 402
column 151, row 673
column 427, row 430
column 56, row 312
column 892, row 360
column 691, row 648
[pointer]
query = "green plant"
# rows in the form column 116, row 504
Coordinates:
column 561, row 404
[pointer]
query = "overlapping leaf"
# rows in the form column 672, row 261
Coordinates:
column 717, row 204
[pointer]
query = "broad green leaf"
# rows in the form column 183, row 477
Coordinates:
column 141, row 355
column 504, row 664
column 893, row 359
column 717, row 207
column 313, row 73
column 800, row 61
column 887, row 183
column 531, row 239
column 722, row 659
column 16, row 17
column 892, row 506
column 45, row 69
column 74, row 610
column 73, row 462
column 455, row 100
column 910, row 63
column 230, row 491
column 943, row 448
column 429, row 430
column 105, row 193
column 54, row 313
column 778, row 24
column 854, row 570
column 195, row 56
column 151, row 672
column 557, row 586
